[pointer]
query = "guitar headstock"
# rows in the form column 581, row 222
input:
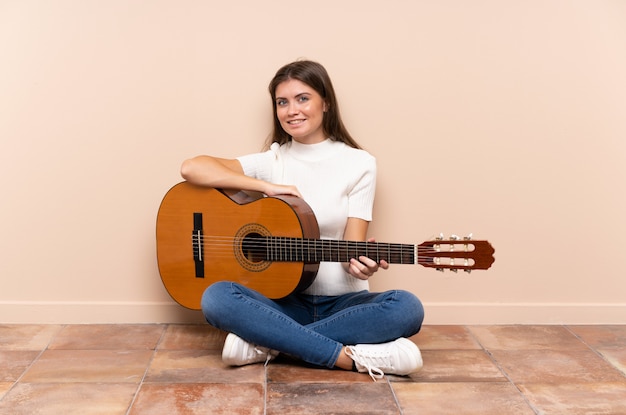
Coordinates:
column 455, row 253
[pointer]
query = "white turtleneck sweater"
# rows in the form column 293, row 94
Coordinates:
column 336, row 180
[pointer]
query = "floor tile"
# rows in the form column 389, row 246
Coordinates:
column 4, row 388
column 445, row 337
column 461, row 399
column 555, row 366
column 13, row 363
column 526, row 338
column 199, row 366
column 285, row 372
column 330, row 398
column 68, row 399
column 27, row 336
column 602, row 336
column 108, row 337
column 192, row 336
column 577, row 399
column 89, row 366
column 609, row 341
column 177, row 369
column 192, row 399
column 457, row 366
column 616, row 357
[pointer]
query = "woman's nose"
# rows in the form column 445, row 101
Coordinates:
column 293, row 108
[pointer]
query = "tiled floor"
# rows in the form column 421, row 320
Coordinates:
column 177, row 369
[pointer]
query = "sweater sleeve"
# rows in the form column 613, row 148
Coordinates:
column 260, row 165
column 361, row 196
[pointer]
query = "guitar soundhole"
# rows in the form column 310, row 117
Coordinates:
column 254, row 247
column 250, row 247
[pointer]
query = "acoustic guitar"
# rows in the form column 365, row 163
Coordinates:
column 271, row 244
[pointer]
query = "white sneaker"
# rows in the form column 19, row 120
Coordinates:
column 238, row 352
column 399, row 357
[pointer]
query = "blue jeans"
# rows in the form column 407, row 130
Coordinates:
column 312, row 328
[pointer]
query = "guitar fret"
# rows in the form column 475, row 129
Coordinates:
column 325, row 250
column 267, row 248
column 308, row 250
column 298, row 245
column 296, row 250
column 282, row 249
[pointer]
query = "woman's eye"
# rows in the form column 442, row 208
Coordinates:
column 281, row 102
column 304, row 99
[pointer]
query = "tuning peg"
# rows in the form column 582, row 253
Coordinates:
column 469, row 271
column 439, row 269
column 454, row 270
column 454, row 237
column 440, row 237
column 468, row 237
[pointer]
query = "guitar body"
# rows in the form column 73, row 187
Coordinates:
column 194, row 213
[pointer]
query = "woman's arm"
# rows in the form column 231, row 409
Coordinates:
column 363, row 267
column 228, row 174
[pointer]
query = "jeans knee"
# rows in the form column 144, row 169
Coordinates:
column 414, row 311
column 212, row 302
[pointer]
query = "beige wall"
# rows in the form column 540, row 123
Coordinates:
column 502, row 118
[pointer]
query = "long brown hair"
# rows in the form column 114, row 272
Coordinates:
column 314, row 75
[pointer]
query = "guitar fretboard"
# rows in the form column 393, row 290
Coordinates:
column 273, row 248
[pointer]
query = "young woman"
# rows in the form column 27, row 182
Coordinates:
column 336, row 322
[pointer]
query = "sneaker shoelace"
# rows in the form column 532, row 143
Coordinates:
column 267, row 358
column 269, row 354
column 368, row 361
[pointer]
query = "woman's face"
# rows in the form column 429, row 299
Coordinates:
column 300, row 111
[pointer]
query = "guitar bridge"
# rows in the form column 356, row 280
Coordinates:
column 197, row 242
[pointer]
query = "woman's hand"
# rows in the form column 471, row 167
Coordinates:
column 272, row 189
column 228, row 174
column 363, row 267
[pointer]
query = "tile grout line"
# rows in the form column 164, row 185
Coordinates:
column 265, row 387
column 501, row 369
column 17, row 381
column 593, row 349
column 145, row 373
column 395, row 397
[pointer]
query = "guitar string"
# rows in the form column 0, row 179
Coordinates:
column 286, row 242
column 222, row 247
column 301, row 243
column 216, row 253
column 293, row 238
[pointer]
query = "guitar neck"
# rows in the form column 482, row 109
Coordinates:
column 441, row 254
column 273, row 248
